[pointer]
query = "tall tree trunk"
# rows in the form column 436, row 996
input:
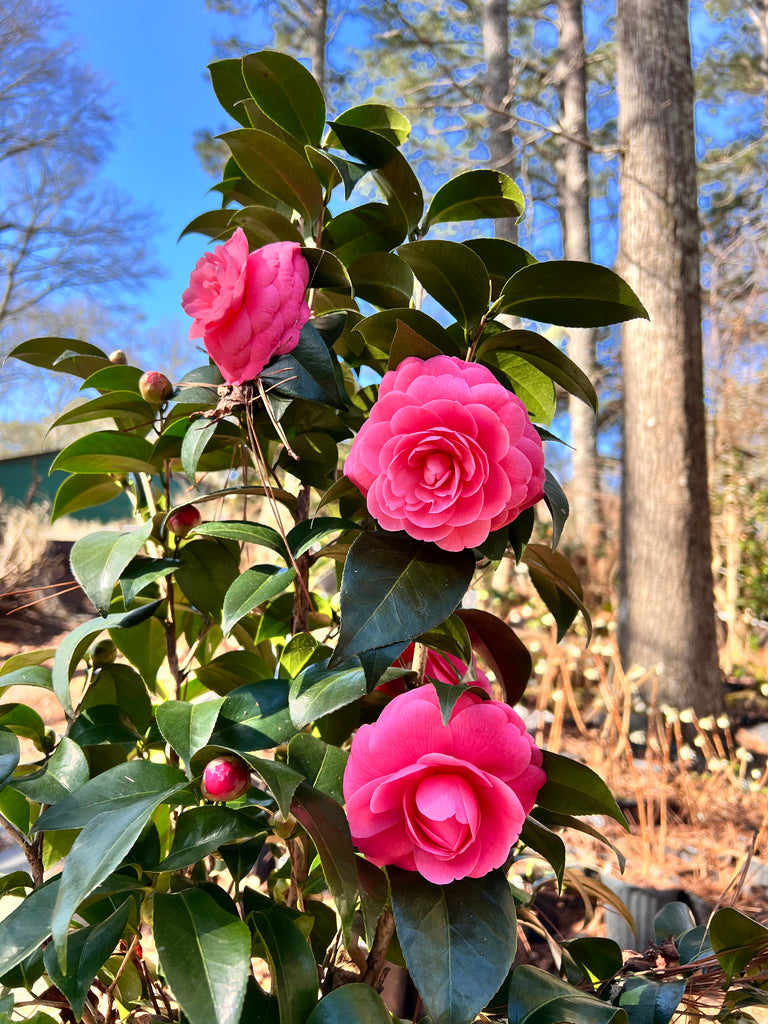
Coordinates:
column 584, row 492
column 317, row 33
column 666, row 611
column 496, row 97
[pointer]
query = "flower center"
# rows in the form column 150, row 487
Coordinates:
column 443, row 815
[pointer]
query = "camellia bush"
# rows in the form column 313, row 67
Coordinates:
column 291, row 756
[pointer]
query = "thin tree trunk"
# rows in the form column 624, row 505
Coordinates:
column 317, row 30
column 584, row 493
column 666, row 618
column 496, row 97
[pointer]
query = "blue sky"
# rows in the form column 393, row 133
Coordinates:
column 154, row 53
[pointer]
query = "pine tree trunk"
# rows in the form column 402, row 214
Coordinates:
column 666, row 610
column 496, row 97
column 587, row 524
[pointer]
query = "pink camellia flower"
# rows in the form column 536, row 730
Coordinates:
column 448, row 454
column 248, row 307
column 443, row 667
column 448, row 801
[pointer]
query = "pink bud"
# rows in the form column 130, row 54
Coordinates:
column 226, row 778
column 155, row 387
column 183, row 520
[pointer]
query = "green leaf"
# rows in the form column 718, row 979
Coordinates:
column 195, row 441
column 309, row 532
column 202, row 830
column 532, row 386
column 536, row 997
column 544, row 356
column 263, row 226
column 314, row 460
column 351, row 1004
column 453, row 275
column 280, row 779
column 372, row 227
column 331, row 169
column 553, row 820
column 198, row 387
column 325, row 822
column 115, row 377
column 276, row 168
column 232, row 669
column 9, row 755
column 245, row 532
column 229, row 87
column 325, row 269
column 409, row 587
column 31, row 675
column 322, row 764
column 573, row 788
column 98, row 559
column 380, row 329
column 28, row 925
column 76, row 643
column 557, row 503
column 144, row 646
column 84, row 490
column 306, row 372
column 141, row 573
column 291, row 963
column 382, row 278
column 458, row 940
column 124, row 406
column 208, row 569
column 251, row 588
column 501, row 648
column 647, row 1001
column 502, row 259
column 599, row 959
column 558, row 586
column 476, row 195
column 27, row 659
column 106, row 452
column 187, row 727
column 254, row 717
column 570, row 294
column 204, row 953
column 736, row 940
column 23, row 721
column 551, row 847
column 88, row 950
column 386, row 121
column 318, row 690
column 66, row 771
column 287, row 93
column 81, row 358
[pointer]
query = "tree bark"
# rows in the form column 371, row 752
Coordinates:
column 496, row 97
column 587, row 524
column 317, row 32
column 666, row 614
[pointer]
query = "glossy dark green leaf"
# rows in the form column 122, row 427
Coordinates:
column 97, row 560
column 292, row 965
column 245, row 532
column 557, row 503
column 537, row 997
column 570, row 294
column 229, row 87
column 672, row 920
column 389, row 122
column 520, row 531
column 263, row 226
column 694, row 945
column 326, row 270
column 104, row 451
column 598, row 958
column 66, row 771
column 573, row 788
column 383, row 279
column 321, row 764
column 280, row 779
column 736, row 940
column 453, row 275
column 502, row 259
column 231, row 670
column 204, row 953
column 251, row 588
column 9, row 755
column 502, row 650
column 208, row 569
column 48, row 352
column 380, row 330
column 28, row 925
column 287, row 93
column 306, row 372
column 22, row 720
column 31, row 662
column 130, row 409
column 198, row 387
column 310, row 532
column 141, row 573
column 409, row 587
column 351, row 1004
column 558, row 586
column 144, row 646
column 332, row 169
column 115, row 377
column 254, row 717
column 372, row 227
column 188, row 727
column 195, row 440
column 314, row 460
column 87, row 951
column 326, row 823
column 103, row 724
column 318, row 690
column 533, row 387
column 200, row 831
column 551, row 847
column 84, row 490
column 458, row 940
column 552, row 820
column 648, row 1001
column 544, row 356
column 476, row 195
column 276, row 168
column 214, row 224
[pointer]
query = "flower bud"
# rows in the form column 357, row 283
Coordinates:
column 103, row 652
column 155, row 387
column 226, row 778
column 118, row 357
column 183, row 520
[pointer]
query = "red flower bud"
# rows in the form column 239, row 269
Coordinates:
column 226, row 778
column 183, row 520
column 155, row 387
